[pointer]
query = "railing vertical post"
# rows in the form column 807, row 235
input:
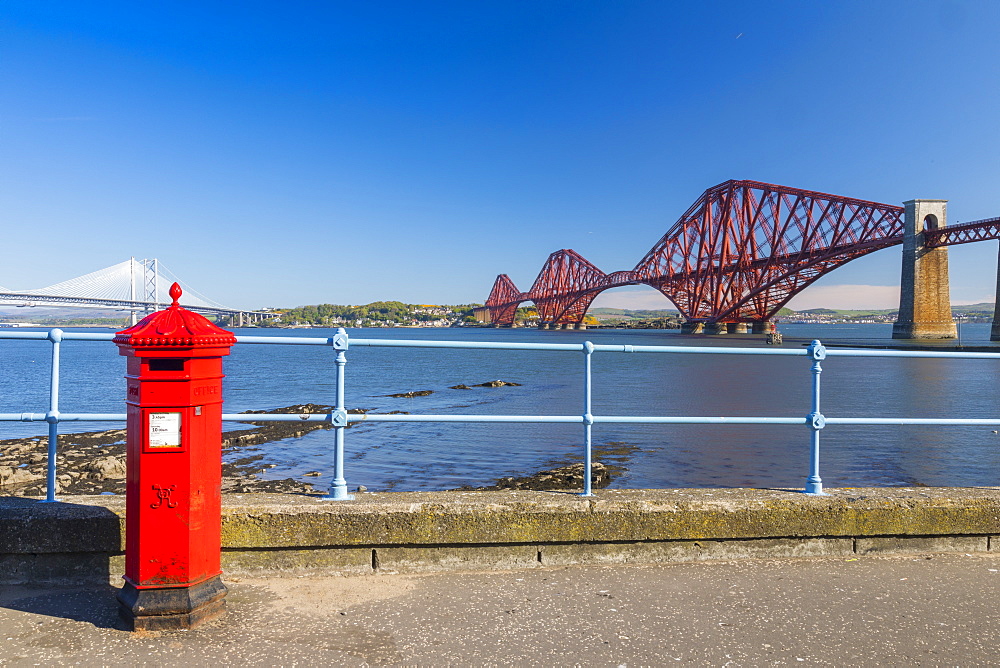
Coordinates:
column 816, row 420
column 588, row 419
column 338, row 417
column 52, row 417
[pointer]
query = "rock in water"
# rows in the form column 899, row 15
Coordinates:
column 562, row 478
column 16, row 476
column 106, row 468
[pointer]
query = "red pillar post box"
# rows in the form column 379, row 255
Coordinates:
column 174, row 485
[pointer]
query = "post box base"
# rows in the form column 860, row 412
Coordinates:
column 171, row 608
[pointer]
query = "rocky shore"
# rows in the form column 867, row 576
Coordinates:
column 561, row 478
column 94, row 462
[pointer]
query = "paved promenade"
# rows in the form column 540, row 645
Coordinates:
column 908, row 610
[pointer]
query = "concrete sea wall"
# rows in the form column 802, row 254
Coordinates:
column 81, row 539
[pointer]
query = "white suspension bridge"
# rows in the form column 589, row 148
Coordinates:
column 137, row 286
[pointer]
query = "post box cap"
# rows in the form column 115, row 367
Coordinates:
column 175, row 327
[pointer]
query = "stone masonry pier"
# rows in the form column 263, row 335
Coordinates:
column 81, row 539
column 925, row 296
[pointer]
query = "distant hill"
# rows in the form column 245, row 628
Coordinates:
column 35, row 313
column 982, row 307
column 624, row 313
column 57, row 316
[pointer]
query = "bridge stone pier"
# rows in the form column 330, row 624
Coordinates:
column 925, row 299
column 995, row 329
column 715, row 328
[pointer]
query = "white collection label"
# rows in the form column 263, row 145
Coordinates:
column 164, row 430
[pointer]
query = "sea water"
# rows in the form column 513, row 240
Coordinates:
column 386, row 456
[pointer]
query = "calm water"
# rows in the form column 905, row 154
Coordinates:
column 415, row 457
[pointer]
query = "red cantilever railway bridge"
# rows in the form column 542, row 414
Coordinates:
column 741, row 251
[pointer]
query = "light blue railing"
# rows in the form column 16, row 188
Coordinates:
column 339, row 418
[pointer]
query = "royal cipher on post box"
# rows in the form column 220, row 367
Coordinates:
column 174, row 484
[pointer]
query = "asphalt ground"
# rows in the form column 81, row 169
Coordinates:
column 928, row 610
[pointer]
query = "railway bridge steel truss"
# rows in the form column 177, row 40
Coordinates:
column 736, row 256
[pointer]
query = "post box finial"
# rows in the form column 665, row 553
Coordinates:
column 175, row 293
column 175, row 327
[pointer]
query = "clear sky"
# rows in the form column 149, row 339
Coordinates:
column 286, row 153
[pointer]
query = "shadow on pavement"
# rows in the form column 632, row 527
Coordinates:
column 94, row 605
column 55, row 559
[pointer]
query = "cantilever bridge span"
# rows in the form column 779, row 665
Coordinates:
column 737, row 255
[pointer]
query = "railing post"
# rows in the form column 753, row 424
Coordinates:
column 816, row 420
column 588, row 419
column 52, row 417
column 338, row 417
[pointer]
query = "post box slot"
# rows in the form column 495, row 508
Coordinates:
column 166, row 364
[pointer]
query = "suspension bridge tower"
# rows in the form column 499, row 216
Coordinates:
column 925, row 297
column 144, row 285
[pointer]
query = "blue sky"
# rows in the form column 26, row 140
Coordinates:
column 276, row 154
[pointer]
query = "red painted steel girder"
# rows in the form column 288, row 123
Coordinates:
column 980, row 230
column 503, row 301
column 565, row 287
column 739, row 253
column 562, row 291
column 744, row 248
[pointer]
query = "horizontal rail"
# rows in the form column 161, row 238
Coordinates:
column 555, row 419
column 502, row 345
column 575, row 419
column 552, row 347
column 339, row 418
column 969, row 422
column 927, row 354
column 51, row 335
column 63, row 417
column 603, row 419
